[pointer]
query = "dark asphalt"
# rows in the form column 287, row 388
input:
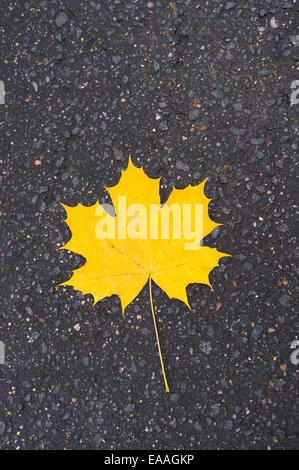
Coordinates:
column 192, row 90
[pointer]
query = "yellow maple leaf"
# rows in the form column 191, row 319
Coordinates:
column 122, row 264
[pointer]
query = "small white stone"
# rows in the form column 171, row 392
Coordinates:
column 274, row 22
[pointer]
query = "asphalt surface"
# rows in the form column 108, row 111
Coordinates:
column 192, row 90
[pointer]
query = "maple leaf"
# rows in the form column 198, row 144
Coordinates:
column 122, row 265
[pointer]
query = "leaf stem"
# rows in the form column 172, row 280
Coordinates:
column 157, row 335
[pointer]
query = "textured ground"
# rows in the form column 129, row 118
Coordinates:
column 192, row 89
